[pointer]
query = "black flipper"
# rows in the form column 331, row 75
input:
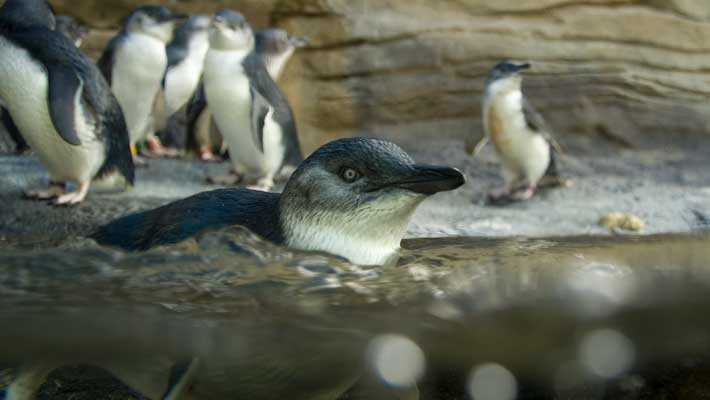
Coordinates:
column 106, row 61
column 263, row 84
column 63, row 84
column 259, row 109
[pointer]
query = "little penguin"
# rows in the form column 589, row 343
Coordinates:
column 521, row 137
column 74, row 32
column 59, row 102
column 275, row 47
column 352, row 197
column 134, row 64
column 72, row 29
column 249, row 109
column 186, row 57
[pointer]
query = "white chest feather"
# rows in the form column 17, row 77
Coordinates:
column 524, row 152
column 369, row 236
column 139, row 64
column 228, row 93
column 182, row 80
column 23, row 88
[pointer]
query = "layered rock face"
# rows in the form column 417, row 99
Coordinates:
column 629, row 70
column 623, row 69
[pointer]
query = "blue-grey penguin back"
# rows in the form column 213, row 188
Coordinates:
column 174, row 222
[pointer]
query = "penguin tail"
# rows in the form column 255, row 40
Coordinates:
column 119, row 159
column 552, row 168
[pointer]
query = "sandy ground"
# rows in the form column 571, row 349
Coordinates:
column 665, row 184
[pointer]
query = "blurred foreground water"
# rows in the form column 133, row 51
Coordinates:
column 490, row 319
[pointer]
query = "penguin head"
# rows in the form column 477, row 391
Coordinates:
column 277, row 41
column 196, row 27
column 156, row 21
column 197, row 24
column 358, row 190
column 506, row 76
column 71, row 29
column 231, row 31
column 28, row 13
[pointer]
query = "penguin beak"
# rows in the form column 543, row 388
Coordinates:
column 522, row 67
column 298, row 41
column 179, row 18
column 429, row 179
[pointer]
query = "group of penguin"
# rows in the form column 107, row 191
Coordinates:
column 84, row 121
column 217, row 78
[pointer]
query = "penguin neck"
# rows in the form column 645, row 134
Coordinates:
column 275, row 62
column 364, row 236
column 197, row 48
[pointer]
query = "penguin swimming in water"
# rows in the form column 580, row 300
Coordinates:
column 60, row 102
column 134, row 64
column 521, row 137
column 352, row 197
column 275, row 47
column 74, row 32
column 249, row 109
column 186, row 57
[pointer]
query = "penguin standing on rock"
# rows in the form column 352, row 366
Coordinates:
column 250, row 110
column 134, row 64
column 186, row 57
column 59, row 102
column 275, row 47
column 520, row 135
column 74, row 32
column 72, row 29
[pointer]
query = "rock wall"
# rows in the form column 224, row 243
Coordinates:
column 626, row 69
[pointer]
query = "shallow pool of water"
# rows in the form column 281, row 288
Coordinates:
column 455, row 318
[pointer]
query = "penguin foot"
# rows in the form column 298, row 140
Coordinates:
column 155, row 149
column 55, row 190
column 230, row 179
column 207, row 155
column 139, row 162
column 73, row 198
column 504, row 197
column 262, row 185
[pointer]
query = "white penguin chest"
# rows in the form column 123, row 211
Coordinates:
column 180, row 83
column 23, row 88
column 182, row 80
column 139, row 65
column 521, row 150
column 228, row 93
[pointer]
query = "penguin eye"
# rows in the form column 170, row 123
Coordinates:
column 349, row 174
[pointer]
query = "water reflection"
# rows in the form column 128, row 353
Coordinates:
column 500, row 318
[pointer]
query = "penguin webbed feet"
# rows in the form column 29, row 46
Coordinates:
column 57, row 192
column 507, row 196
column 154, row 148
column 54, row 190
column 231, row 178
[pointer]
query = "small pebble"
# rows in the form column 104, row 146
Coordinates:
column 618, row 220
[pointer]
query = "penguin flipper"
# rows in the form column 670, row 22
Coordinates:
column 260, row 107
column 64, row 84
column 106, row 61
column 537, row 123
